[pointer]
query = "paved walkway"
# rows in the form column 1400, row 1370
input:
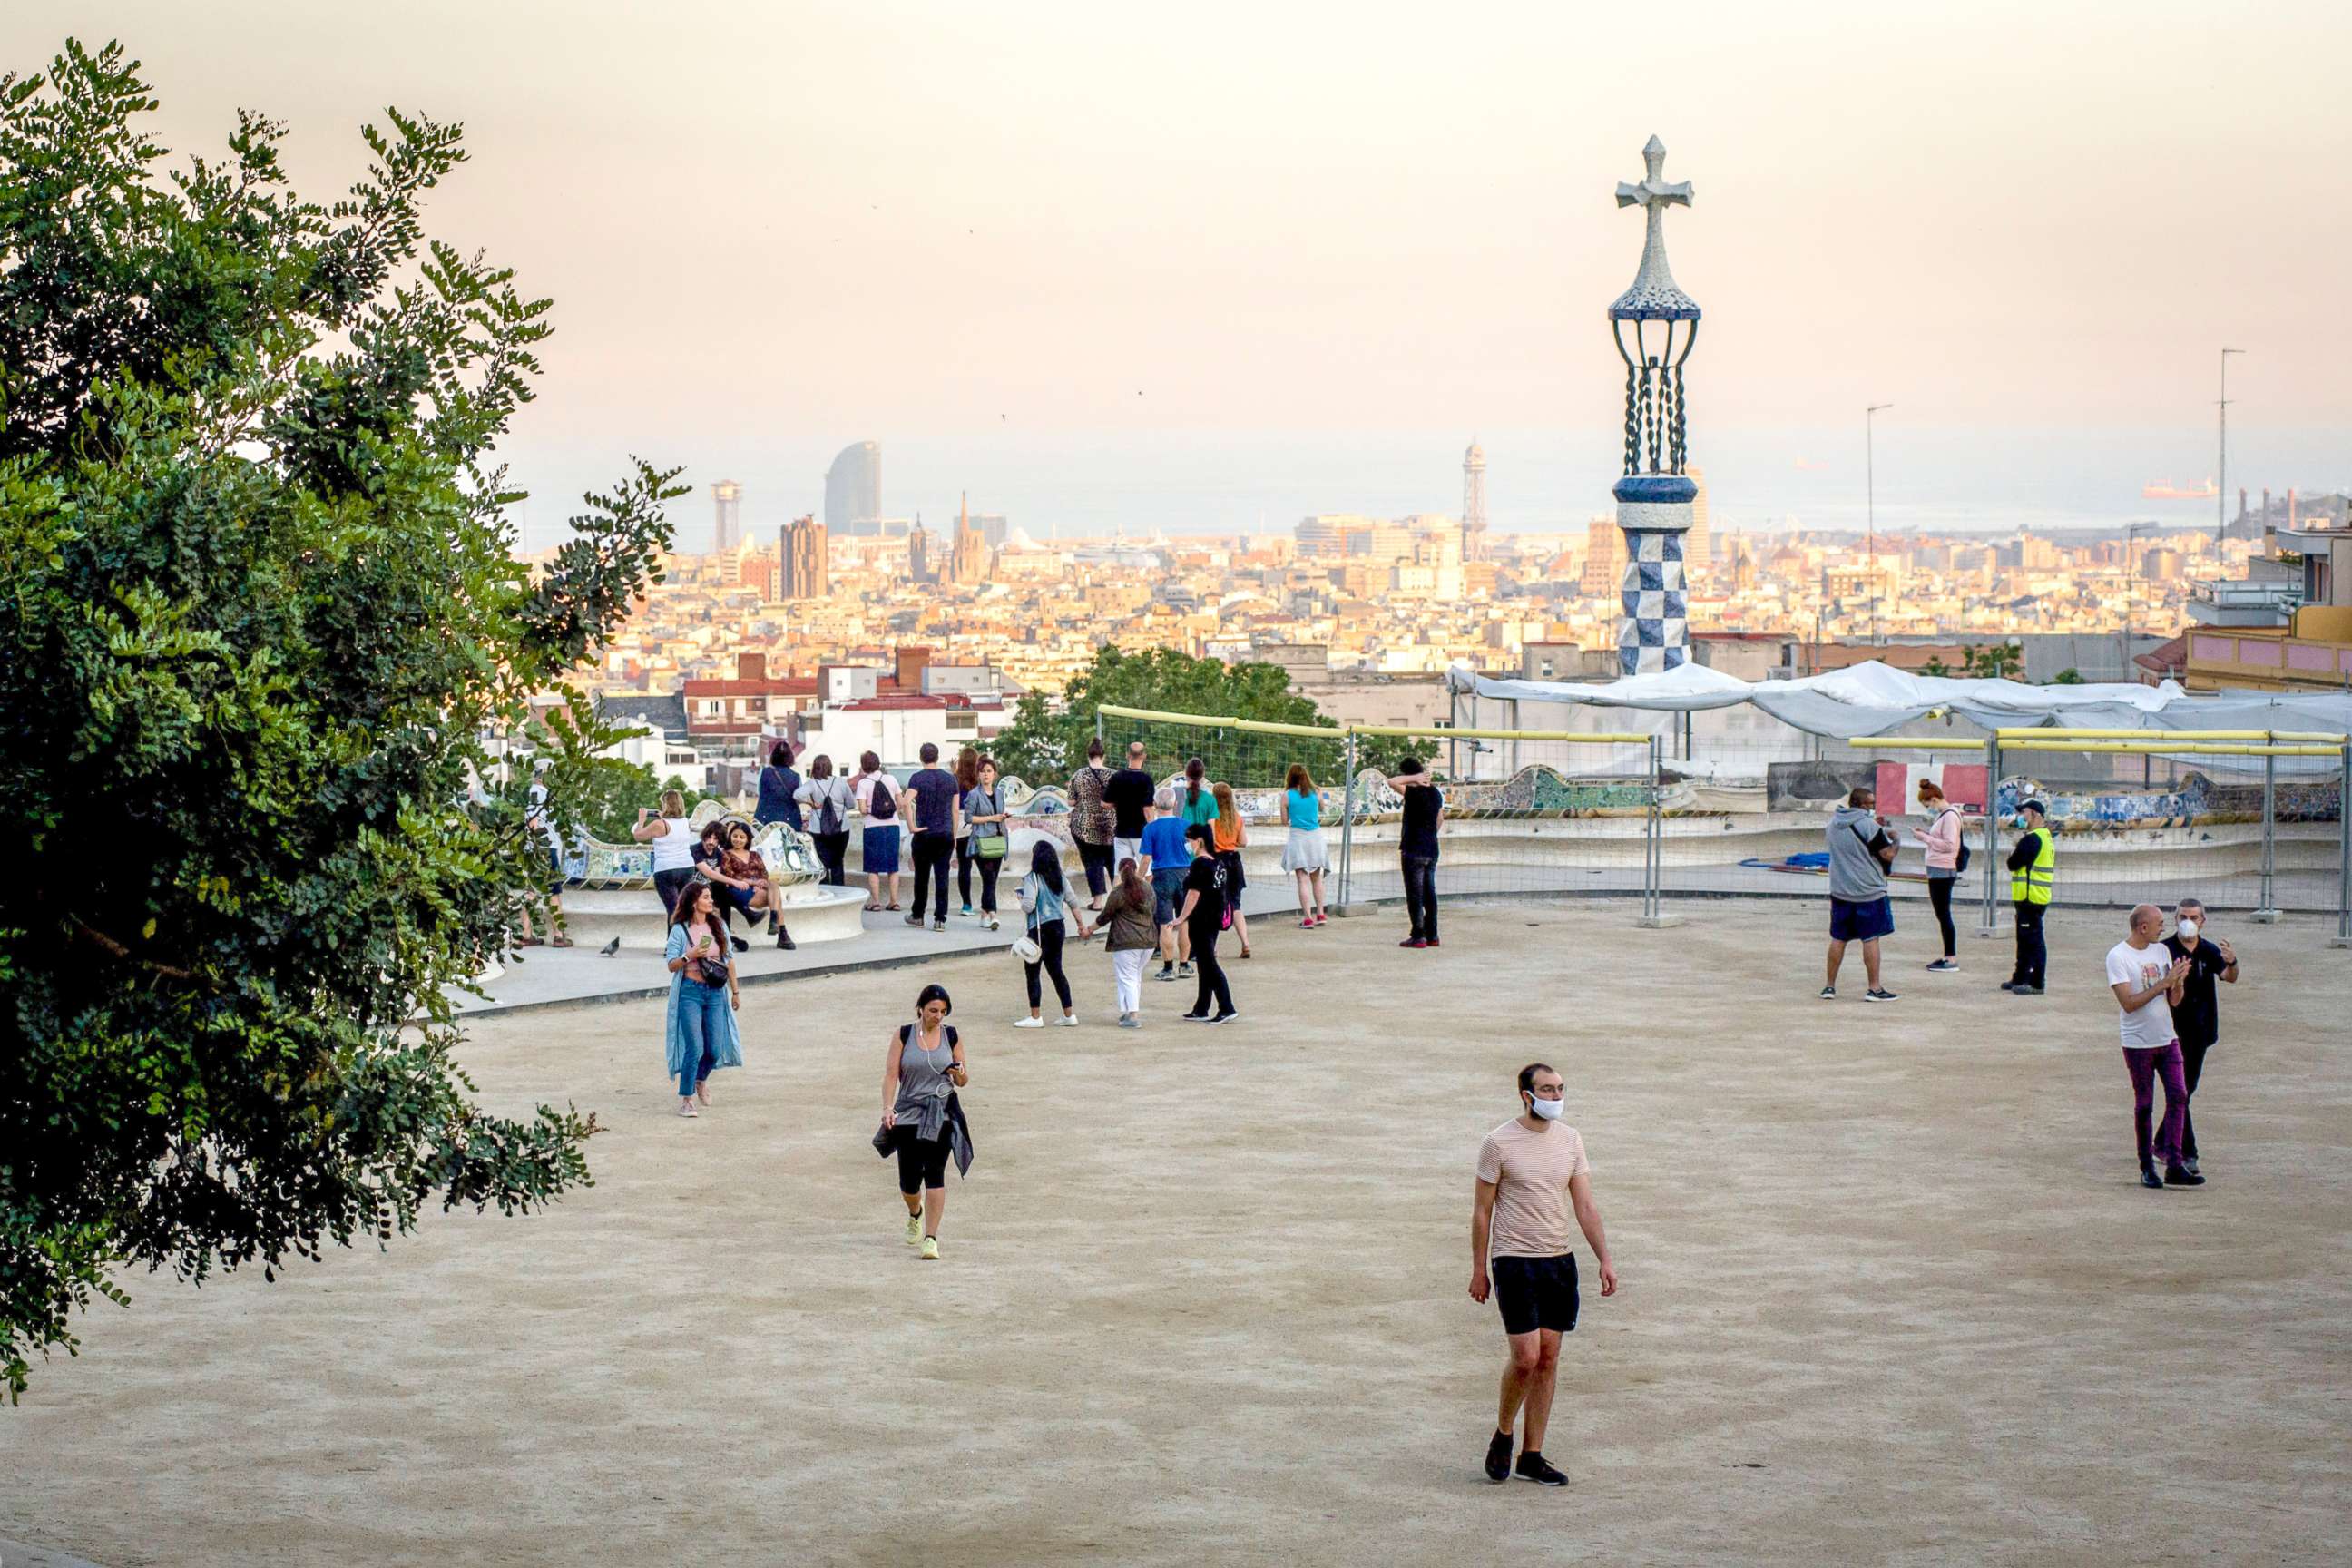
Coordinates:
column 551, row 977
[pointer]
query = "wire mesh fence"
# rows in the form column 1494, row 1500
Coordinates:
column 1734, row 801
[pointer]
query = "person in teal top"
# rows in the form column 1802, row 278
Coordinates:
column 1199, row 805
column 1306, row 857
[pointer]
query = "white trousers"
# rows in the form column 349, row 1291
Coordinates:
column 1126, row 970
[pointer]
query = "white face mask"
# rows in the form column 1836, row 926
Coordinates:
column 1547, row 1110
column 2187, row 928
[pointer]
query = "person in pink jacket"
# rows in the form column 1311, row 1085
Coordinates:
column 1941, row 839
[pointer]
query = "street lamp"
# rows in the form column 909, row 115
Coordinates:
column 1870, row 503
column 2124, row 598
column 2221, row 500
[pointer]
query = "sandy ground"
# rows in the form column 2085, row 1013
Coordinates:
column 1890, row 1294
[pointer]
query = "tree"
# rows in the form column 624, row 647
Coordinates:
column 2001, row 662
column 2069, row 675
column 259, row 606
column 1047, row 746
column 1936, row 667
column 598, row 793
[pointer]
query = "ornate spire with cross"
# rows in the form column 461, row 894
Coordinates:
column 1654, row 496
column 1653, row 296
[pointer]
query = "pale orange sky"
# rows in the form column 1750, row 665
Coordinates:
column 861, row 219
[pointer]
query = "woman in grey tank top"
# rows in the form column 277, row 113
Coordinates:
column 922, row 1121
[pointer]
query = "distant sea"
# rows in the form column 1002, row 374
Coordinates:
column 1191, row 482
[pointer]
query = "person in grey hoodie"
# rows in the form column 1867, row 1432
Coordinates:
column 1860, row 851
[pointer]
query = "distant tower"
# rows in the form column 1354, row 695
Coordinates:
column 804, row 559
column 852, row 489
column 726, row 528
column 1474, row 503
column 967, row 567
column 1655, row 496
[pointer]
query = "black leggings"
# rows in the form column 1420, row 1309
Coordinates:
column 922, row 1164
column 963, row 869
column 1048, row 937
column 1096, row 857
column 1939, row 893
column 1212, row 974
column 989, row 866
column 670, row 884
column 830, row 849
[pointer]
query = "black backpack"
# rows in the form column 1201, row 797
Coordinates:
column 884, row 800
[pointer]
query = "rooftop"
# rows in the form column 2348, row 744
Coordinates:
column 1888, row 1288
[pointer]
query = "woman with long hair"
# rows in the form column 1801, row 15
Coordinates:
column 1203, row 912
column 780, row 789
column 983, row 814
column 1304, row 855
column 749, row 869
column 922, row 1121
column 877, row 797
column 1042, row 898
column 673, row 843
column 734, row 892
column 1232, row 837
column 825, row 805
column 967, row 778
column 1197, row 803
column 1128, row 914
column 700, row 1029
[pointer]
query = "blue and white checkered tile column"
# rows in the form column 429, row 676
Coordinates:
column 1655, row 633
column 1655, row 511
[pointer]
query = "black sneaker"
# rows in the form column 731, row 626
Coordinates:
column 1498, row 1457
column 1829, row 993
column 2149, row 1178
column 1878, row 994
column 1236, row 1018
column 2009, row 985
column 2180, row 1175
column 1534, row 1467
column 2025, row 991
column 1195, row 1017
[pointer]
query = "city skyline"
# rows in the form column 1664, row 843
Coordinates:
column 1193, row 483
column 1149, row 233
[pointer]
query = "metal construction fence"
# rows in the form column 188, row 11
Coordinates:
column 1734, row 802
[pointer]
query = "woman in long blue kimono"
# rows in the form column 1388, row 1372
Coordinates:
column 703, row 998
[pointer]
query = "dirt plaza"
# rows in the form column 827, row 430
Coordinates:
column 1891, row 1293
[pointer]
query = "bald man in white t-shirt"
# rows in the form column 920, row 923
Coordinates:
column 1532, row 1176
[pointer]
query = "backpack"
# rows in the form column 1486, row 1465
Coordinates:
column 828, row 810
column 884, row 804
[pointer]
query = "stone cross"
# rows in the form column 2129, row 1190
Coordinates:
column 1654, row 194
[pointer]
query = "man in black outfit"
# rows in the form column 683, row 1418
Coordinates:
column 1127, row 791
column 936, row 816
column 2197, row 1016
column 1203, row 915
column 1424, row 803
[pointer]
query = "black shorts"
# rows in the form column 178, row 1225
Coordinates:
column 1535, row 1293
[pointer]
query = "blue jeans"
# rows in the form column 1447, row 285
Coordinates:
column 701, row 1014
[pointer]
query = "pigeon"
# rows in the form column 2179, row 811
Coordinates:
column 610, row 948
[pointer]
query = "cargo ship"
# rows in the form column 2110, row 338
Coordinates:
column 2165, row 489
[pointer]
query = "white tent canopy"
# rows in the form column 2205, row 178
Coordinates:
column 1875, row 699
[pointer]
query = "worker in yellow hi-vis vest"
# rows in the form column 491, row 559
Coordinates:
column 2032, row 866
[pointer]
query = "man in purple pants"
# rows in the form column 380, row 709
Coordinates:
column 2146, row 980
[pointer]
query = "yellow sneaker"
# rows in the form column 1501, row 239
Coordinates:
column 914, row 1228
column 930, row 1249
